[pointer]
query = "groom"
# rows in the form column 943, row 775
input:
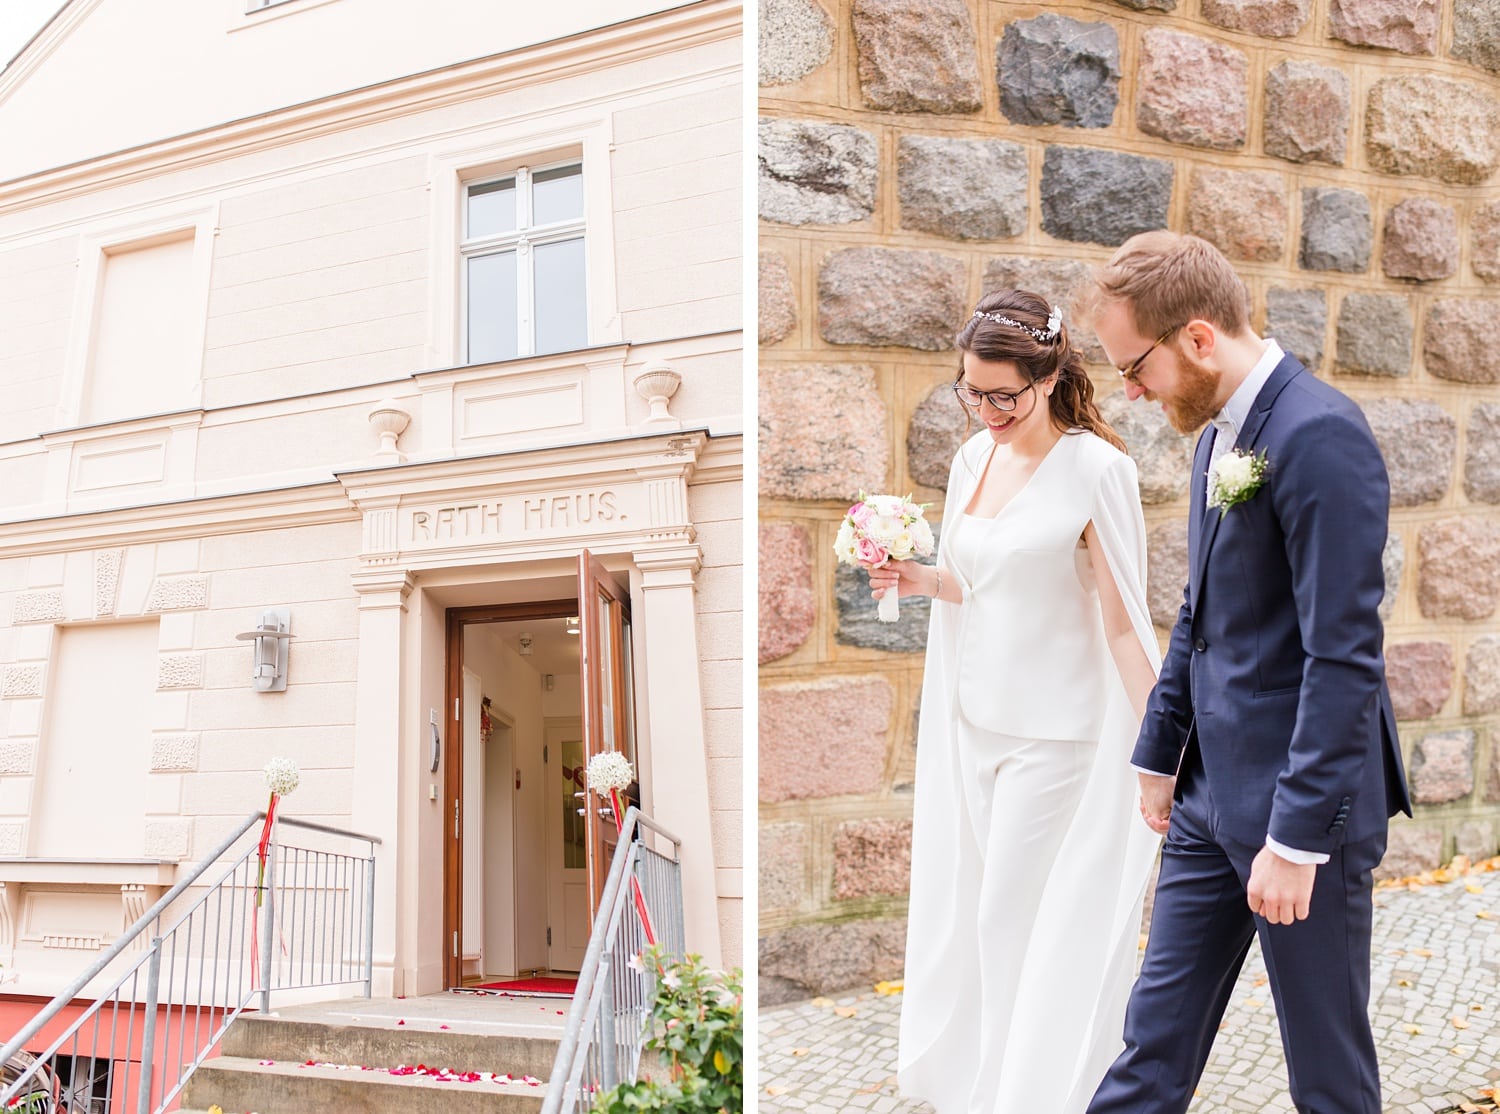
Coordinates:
column 1268, row 753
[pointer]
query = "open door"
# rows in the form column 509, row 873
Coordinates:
column 608, row 715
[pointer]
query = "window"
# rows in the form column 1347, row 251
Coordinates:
column 523, row 264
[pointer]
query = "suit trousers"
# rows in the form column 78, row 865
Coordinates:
column 1201, row 928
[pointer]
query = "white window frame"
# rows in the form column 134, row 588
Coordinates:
column 523, row 240
column 460, row 161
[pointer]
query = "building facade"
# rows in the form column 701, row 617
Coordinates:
column 414, row 336
column 915, row 154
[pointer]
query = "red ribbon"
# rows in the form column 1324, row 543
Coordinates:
column 260, row 878
column 640, row 898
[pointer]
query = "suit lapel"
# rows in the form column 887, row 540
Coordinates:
column 1281, row 375
column 1198, row 523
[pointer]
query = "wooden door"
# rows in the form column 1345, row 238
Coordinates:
column 608, row 715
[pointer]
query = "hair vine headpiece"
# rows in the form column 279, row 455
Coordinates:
column 1054, row 324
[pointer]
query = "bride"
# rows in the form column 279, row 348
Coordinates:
column 1028, row 862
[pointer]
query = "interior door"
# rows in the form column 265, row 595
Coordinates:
column 604, row 614
column 567, row 847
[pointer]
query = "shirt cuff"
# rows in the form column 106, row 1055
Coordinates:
column 1292, row 855
column 1143, row 770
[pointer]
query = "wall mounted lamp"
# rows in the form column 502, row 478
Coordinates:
column 572, row 624
column 525, row 641
column 270, row 636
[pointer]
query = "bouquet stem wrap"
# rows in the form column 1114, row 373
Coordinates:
column 890, row 607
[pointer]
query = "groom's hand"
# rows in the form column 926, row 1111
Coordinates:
column 1156, row 800
column 1280, row 891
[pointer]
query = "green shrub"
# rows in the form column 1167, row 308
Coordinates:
column 697, row 1029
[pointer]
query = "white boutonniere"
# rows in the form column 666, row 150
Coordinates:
column 1235, row 478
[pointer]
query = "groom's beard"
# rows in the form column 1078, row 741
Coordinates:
column 1193, row 401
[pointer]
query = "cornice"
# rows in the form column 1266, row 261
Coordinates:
column 160, row 522
column 533, row 467
column 587, row 52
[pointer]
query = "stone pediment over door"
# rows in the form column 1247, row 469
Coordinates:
column 624, row 495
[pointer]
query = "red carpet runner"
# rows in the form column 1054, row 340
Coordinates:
column 532, row 986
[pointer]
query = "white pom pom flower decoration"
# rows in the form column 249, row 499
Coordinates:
column 282, row 776
column 609, row 770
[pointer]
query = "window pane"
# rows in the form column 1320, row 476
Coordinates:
column 557, row 195
column 574, row 832
column 492, row 307
column 561, row 321
column 492, row 208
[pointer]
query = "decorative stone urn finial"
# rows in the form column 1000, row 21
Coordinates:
column 656, row 384
column 389, row 421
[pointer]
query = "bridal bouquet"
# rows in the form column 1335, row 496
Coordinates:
column 881, row 528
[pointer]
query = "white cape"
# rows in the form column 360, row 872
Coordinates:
column 1070, row 1005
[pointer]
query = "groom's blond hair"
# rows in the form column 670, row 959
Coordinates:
column 1168, row 279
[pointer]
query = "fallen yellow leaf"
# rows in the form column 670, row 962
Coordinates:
column 215, row 1109
column 1425, row 953
column 1260, row 981
column 822, row 1003
column 775, row 1090
column 845, row 1011
column 1254, row 1003
column 1413, row 1030
column 1460, row 1023
column 1474, row 887
column 1484, row 915
column 1404, row 982
column 799, row 1052
column 888, row 988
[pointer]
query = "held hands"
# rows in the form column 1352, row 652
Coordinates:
column 1280, row 891
column 1156, row 800
column 908, row 577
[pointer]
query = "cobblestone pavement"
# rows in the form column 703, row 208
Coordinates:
column 1435, row 1001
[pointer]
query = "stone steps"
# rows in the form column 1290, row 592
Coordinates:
column 237, row 1085
column 339, row 1056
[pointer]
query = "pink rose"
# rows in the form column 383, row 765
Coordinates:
column 861, row 513
column 869, row 552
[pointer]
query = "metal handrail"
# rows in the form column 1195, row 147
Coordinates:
column 167, row 956
column 599, row 1025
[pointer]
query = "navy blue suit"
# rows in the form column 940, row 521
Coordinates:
column 1273, row 711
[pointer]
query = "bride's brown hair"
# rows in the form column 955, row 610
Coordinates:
column 1071, row 404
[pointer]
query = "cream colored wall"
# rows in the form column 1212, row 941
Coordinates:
column 333, row 270
column 716, row 508
column 118, row 73
column 328, row 285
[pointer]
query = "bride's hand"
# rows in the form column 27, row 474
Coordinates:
column 907, row 577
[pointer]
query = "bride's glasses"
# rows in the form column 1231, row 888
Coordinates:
column 1000, row 400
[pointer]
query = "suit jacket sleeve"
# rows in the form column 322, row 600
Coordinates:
column 1331, row 494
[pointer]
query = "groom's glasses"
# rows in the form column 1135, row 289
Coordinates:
column 1000, row 400
column 1131, row 374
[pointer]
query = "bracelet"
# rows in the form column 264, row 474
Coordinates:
column 939, row 570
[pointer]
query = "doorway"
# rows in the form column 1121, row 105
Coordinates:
column 534, row 689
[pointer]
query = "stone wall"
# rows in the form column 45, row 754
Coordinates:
column 914, row 154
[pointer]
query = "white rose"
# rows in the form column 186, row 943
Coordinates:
column 903, row 545
column 843, row 544
column 921, row 534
